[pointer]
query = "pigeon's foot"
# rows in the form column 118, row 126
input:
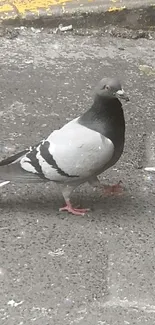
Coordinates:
column 116, row 189
column 75, row 211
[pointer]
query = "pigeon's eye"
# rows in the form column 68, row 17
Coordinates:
column 106, row 87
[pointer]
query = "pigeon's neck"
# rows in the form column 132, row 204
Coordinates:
column 106, row 107
column 106, row 117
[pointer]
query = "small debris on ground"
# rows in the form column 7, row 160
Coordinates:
column 113, row 31
column 36, row 30
column 9, row 33
column 12, row 303
column 147, row 69
column 63, row 29
column 128, row 33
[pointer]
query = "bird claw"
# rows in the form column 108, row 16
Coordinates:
column 116, row 189
column 75, row 211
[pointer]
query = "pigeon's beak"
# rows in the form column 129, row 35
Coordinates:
column 120, row 94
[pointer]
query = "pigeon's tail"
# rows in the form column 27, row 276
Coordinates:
column 11, row 171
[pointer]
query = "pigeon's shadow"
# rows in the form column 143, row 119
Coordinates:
column 47, row 204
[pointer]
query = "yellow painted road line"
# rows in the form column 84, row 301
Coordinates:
column 29, row 5
column 116, row 8
column 20, row 8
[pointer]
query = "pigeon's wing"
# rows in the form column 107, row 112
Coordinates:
column 72, row 153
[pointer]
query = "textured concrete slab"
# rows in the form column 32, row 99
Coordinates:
column 58, row 268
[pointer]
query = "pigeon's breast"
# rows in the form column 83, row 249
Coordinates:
column 77, row 151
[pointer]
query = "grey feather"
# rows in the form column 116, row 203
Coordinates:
column 15, row 173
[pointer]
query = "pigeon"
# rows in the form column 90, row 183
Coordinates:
column 79, row 151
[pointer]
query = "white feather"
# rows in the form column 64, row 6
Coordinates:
column 4, row 183
column 150, row 169
column 27, row 166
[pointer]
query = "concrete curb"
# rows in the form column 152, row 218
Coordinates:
column 84, row 13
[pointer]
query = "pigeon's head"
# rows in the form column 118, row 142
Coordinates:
column 111, row 88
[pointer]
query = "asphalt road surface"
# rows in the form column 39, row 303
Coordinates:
column 56, row 268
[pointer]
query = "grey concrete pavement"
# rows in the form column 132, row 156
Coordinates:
column 57, row 268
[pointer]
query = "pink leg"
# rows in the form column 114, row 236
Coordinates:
column 113, row 189
column 75, row 211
